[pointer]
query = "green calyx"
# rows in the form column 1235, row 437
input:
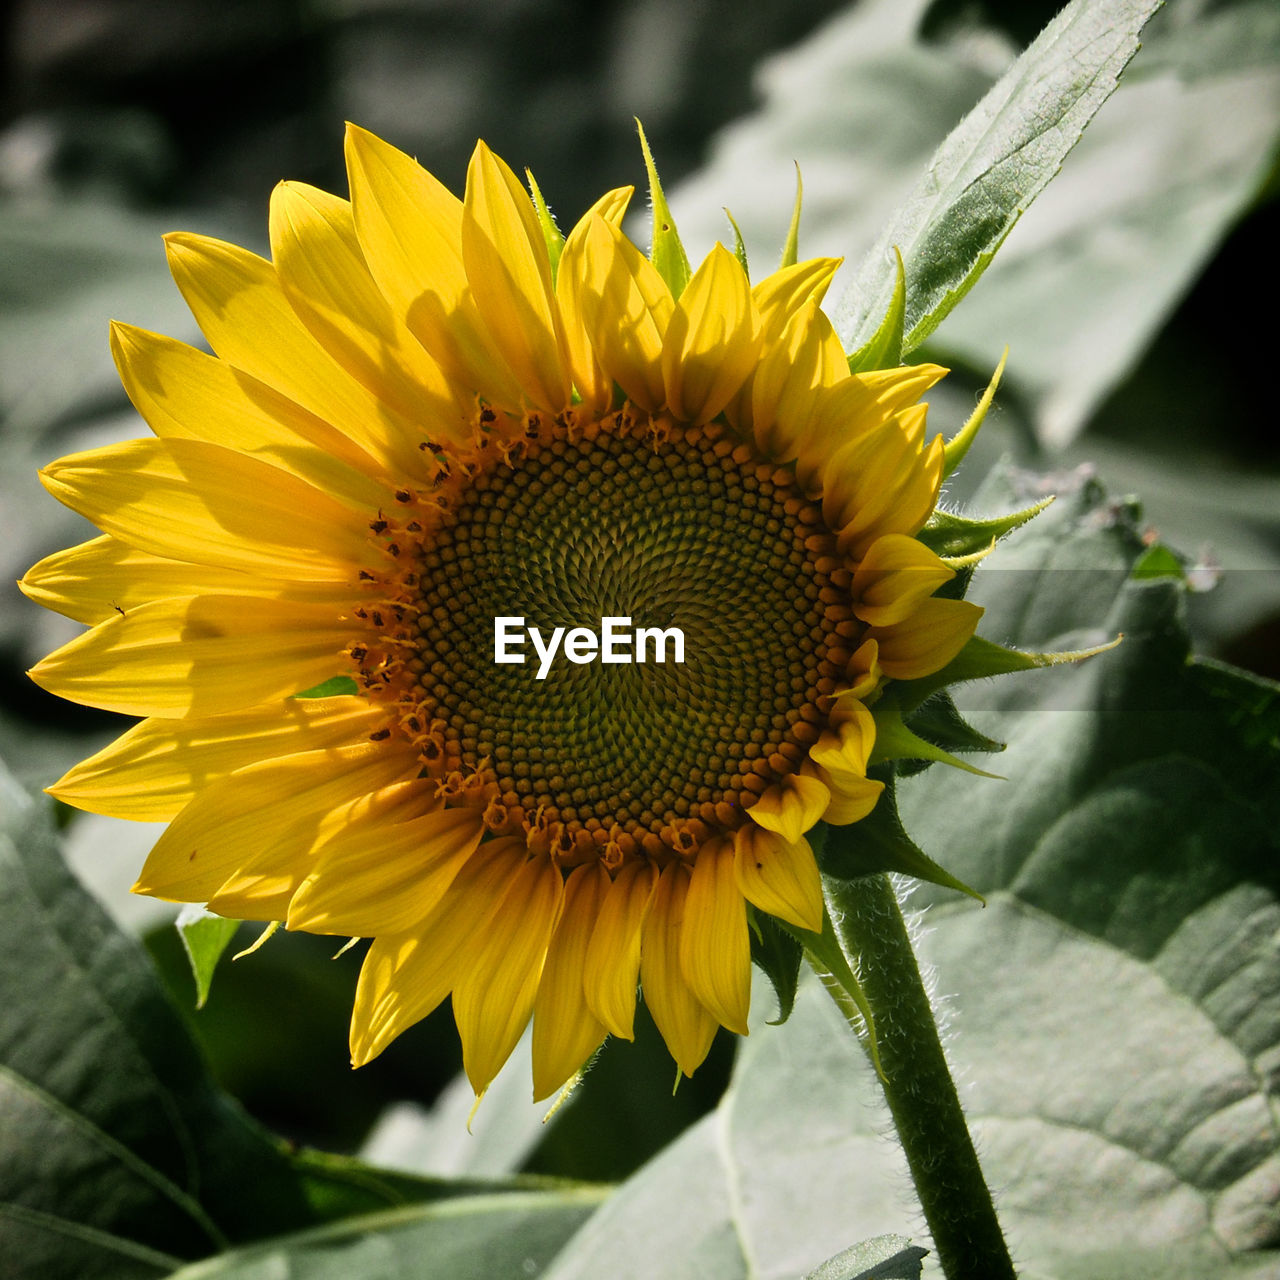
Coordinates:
column 666, row 252
column 883, row 350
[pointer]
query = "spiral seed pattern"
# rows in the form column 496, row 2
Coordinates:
column 691, row 533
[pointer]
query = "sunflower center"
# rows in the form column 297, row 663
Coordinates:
column 690, row 533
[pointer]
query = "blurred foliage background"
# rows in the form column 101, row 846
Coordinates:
column 1127, row 296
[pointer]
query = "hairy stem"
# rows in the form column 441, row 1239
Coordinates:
column 913, row 1070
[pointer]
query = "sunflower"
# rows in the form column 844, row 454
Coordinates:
column 437, row 438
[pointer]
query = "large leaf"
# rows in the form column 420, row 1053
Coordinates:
column 119, row 1157
column 1083, row 284
column 1113, row 1015
column 1090, row 273
column 992, row 166
column 514, row 1234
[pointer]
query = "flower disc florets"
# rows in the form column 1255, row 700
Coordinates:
column 427, row 419
column 621, row 518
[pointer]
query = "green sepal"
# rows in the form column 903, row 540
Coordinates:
column 1158, row 561
column 895, row 740
column 955, row 536
column 666, row 252
column 938, row 720
column 828, row 960
column 550, row 232
column 954, row 450
column 739, row 245
column 333, row 687
column 879, row 842
column 778, row 953
column 791, row 250
column 883, row 350
column 204, row 938
column 982, row 658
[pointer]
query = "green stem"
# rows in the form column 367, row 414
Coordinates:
column 917, row 1083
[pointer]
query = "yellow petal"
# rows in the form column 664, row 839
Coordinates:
column 105, row 577
column 895, row 575
column 625, row 308
column 405, row 976
column 276, row 811
column 323, row 273
column 778, row 876
column 239, row 305
column 712, row 339
column 867, row 399
column 927, row 640
column 509, row 271
column 410, row 230
column 565, row 1031
column 613, row 958
column 848, row 746
column 778, row 299
column 852, row 796
column 383, row 878
column 857, row 405
column 779, row 296
column 880, row 483
column 839, row 760
column 715, row 950
column 152, row 771
column 198, row 657
column 791, row 807
column 784, row 391
column 590, row 380
column 264, row 888
column 685, row 1024
column 494, row 998
column 864, row 676
column 183, row 393
column 192, row 501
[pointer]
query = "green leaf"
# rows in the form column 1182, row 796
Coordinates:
column 1224, row 515
column 1092, row 274
column 119, row 1157
column 993, row 165
column 1085, row 282
column 204, row 938
column 883, row 349
column 513, row 1234
column 884, row 1258
column 1131, row 876
column 778, row 954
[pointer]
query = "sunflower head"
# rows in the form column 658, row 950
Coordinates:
column 519, row 602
